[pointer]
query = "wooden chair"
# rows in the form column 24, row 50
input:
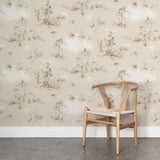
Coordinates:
column 108, row 112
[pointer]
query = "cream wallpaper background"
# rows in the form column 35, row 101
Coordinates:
column 53, row 51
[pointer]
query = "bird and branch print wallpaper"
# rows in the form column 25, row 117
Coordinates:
column 53, row 51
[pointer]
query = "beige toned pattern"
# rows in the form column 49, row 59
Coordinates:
column 52, row 52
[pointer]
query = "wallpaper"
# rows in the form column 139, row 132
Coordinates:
column 53, row 51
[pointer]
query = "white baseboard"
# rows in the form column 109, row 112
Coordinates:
column 28, row 132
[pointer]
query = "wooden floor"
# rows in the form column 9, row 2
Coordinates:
column 71, row 149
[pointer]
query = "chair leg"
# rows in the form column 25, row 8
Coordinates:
column 108, row 131
column 117, row 131
column 135, row 129
column 85, row 126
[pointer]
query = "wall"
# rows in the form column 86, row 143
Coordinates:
column 52, row 52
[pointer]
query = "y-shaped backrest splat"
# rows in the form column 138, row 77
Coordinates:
column 104, row 97
column 124, row 101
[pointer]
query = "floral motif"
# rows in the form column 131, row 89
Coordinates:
column 45, row 78
column 22, row 96
column 85, row 5
column 108, row 47
column 23, row 33
column 46, row 16
column 147, row 33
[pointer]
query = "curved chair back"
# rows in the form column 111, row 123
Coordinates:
column 132, row 87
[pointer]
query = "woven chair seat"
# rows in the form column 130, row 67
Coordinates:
column 108, row 112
